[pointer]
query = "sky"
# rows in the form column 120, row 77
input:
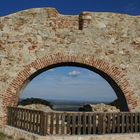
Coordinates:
column 72, row 7
column 79, row 83
column 69, row 83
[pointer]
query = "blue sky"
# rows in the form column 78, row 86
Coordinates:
column 69, row 83
column 72, row 7
column 87, row 84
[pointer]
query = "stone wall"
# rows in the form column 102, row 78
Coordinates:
column 37, row 38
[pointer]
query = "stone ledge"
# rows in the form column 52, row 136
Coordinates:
column 18, row 133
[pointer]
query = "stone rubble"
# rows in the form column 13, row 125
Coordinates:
column 100, row 108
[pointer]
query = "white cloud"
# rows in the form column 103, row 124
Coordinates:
column 74, row 73
column 50, row 70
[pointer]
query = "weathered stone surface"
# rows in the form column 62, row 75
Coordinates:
column 18, row 134
column 100, row 108
column 37, row 107
column 32, row 34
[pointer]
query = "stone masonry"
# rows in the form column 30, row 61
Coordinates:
column 34, row 39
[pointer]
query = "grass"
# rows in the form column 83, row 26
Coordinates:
column 2, row 136
column 5, row 137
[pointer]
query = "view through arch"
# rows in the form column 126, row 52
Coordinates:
column 72, row 87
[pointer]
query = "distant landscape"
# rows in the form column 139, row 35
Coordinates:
column 63, row 105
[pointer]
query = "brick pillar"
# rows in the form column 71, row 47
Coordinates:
column 84, row 20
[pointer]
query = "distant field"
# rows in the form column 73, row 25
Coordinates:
column 66, row 107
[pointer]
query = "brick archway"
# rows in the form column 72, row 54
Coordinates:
column 117, row 75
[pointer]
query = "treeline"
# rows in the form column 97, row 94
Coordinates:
column 29, row 101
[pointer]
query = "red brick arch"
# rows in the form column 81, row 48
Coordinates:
column 12, row 93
